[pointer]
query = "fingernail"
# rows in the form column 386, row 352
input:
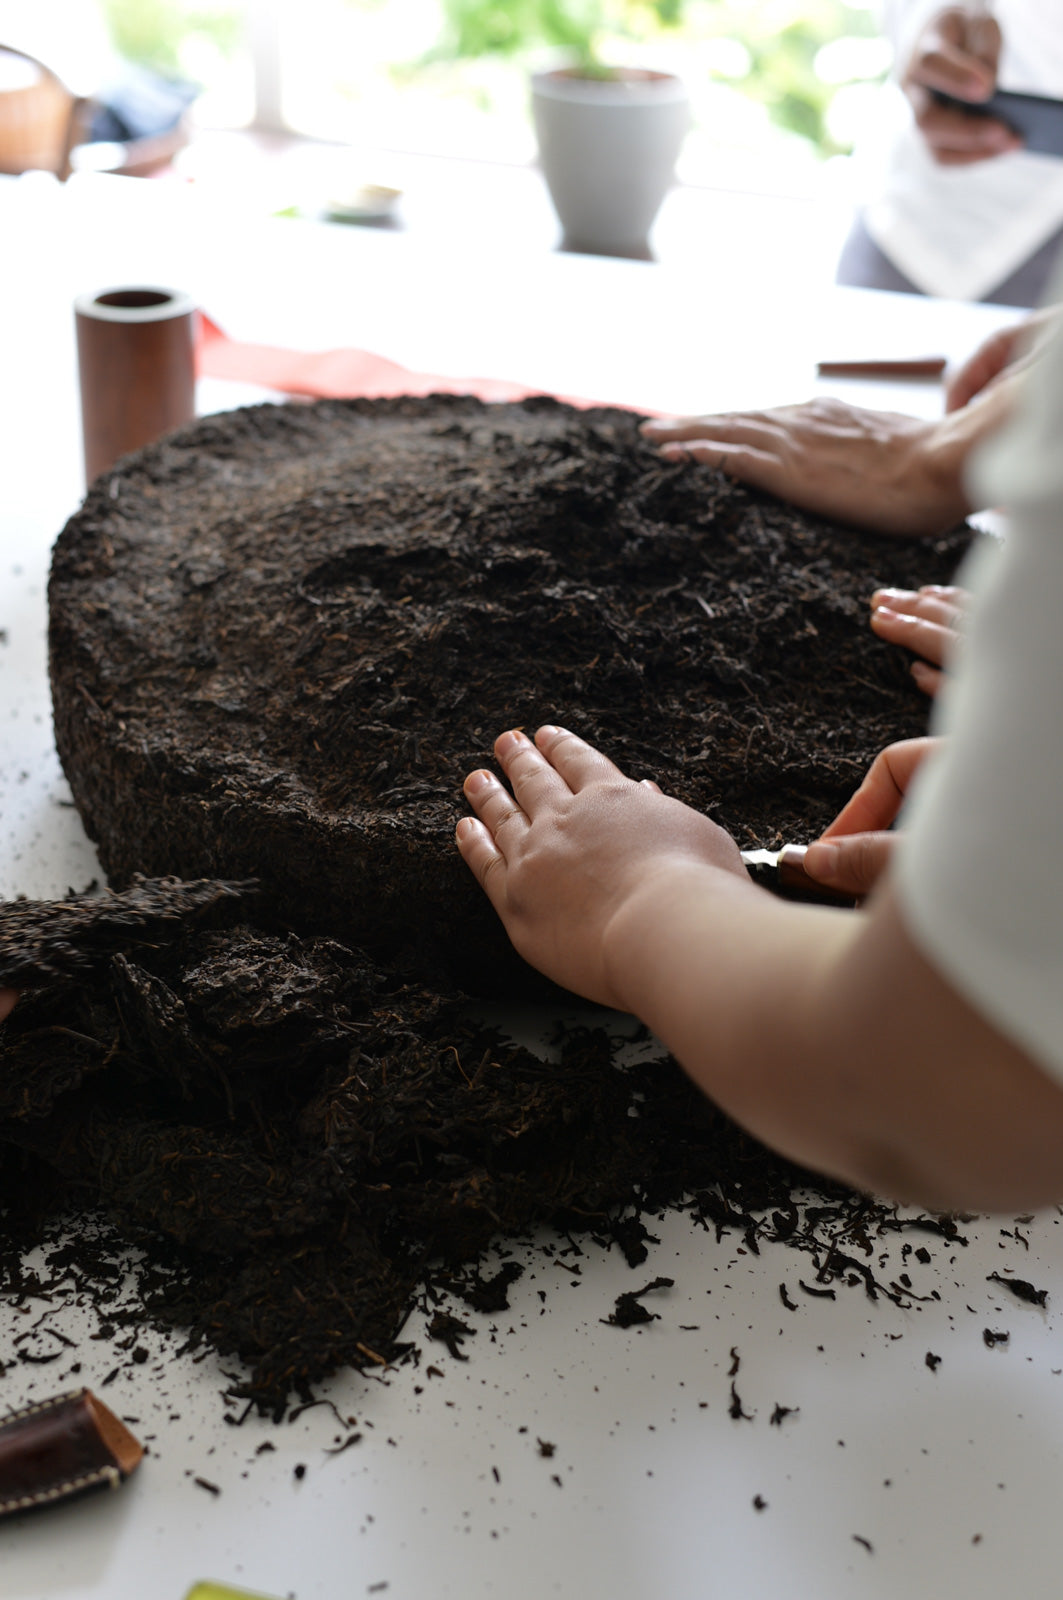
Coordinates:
column 652, row 426
column 549, row 729
column 509, row 740
column 463, row 828
column 884, row 613
column 821, row 861
column 477, row 781
column 892, row 594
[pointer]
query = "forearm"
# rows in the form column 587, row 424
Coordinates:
column 827, row 1035
column 731, row 980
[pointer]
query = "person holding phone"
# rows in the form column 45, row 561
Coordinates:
column 957, row 205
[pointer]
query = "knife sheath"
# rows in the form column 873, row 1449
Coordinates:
column 58, row 1448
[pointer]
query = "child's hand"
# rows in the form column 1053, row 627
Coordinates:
column 926, row 621
column 567, row 858
column 7, row 1001
column 853, row 853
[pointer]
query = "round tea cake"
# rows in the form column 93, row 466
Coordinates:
column 281, row 637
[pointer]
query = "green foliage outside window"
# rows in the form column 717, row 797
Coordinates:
column 782, row 40
column 776, row 43
column 152, row 32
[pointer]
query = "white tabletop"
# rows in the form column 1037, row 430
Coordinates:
column 887, row 1478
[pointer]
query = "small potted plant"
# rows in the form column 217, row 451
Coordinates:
column 608, row 142
column 608, row 135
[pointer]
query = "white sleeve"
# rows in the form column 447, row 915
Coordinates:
column 980, row 873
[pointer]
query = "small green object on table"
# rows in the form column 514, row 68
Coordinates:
column 222, row 1591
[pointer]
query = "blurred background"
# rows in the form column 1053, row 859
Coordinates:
column 780, row 89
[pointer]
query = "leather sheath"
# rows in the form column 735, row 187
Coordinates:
column 55, row 1449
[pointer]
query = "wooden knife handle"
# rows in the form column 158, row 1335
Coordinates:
column 61, row 1447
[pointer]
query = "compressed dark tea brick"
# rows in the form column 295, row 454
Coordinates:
column 280, row 638
column 45, row 940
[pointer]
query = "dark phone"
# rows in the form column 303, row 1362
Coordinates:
column 1036, row 119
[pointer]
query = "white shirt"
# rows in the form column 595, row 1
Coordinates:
column 980, row 874
column 958, row 232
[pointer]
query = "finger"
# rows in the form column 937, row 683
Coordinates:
column 952, row 70
column 7, row 1002
column 661, row 430
column 876, row 803
column 579, row 763
column 483, row 857
column 494, row 805
column 988, row 361
column 947, row 591
column 754, row 428
column 932, row 605
column 958, row 136
column 934, row 641
column 852, row 864
column 534, row 780
column 927, row 678
column 958, row 54
column 759, row 468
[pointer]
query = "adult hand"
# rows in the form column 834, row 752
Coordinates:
column 7, row 1001
column 927, row 621
column 852, row 854
column 957, row 54
column 1007, row 351
column 878, row 470
column 571, row 849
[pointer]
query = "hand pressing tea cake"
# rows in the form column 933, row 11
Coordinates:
column 280, row 638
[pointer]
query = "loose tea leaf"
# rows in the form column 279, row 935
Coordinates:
column 1021, row 1289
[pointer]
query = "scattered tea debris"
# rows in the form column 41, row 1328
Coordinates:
column 759, row 1503
column 932, row 1361
column 545, row 1447
column 487, row 1295
column 991, row 1339
column 451, row 1332
column 345, row 1444
column 791, row 1305
column 735, row 1408
column 780, row 1414
column 633, row 1237
column 205, row 1483
column 1021, row 1289
column 629, row 1310
column 820, row 1294
column 868, row 1546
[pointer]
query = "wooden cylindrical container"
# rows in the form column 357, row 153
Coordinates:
column 136, row 362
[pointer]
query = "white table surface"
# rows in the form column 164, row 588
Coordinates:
column 951, row 1476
